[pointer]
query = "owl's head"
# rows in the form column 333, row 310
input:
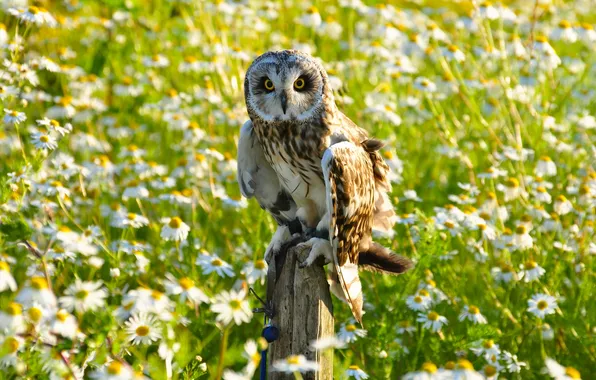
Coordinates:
column 285, row 85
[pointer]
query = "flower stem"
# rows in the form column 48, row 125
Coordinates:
column 222, row 352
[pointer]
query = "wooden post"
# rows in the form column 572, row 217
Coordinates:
column 303, row 312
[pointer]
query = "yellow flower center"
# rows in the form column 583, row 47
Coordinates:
column 114, row 368
column 520, row 230
column 351, row 328
column 512, row 182
column 175, row 222
column 488, row 344
column 216, row 262
column 530, row 264
column 429, row 367
column 542, row 304
column 418, row 299
column 235, row 304
column 354, row 368
column 260, row 264
column 489, row 370
column 39, row 283
column 186, row 283
column 452, row 48
column 131, row 216
column 541, row 39
column 14, row 309
column 142, row 330
column 561, row 198
column 11, row 344
column 61, row 315
column 423, row 293
column 433, row 316
column 541, row 189
column 81, row 294
column 35, row 314
column 44, row 138
column 449, row 365
column 4, row 266
column 156, row 294
column 572, row 373
column 473, row 310
column 465, row 364
column 564, row 24
column 449, row 224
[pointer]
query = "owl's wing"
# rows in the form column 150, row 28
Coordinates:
column 257, row 178
column 350, row 196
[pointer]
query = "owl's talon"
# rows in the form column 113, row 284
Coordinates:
column 318, row 247
column 281, row 236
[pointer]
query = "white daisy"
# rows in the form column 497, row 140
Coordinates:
column 295, row 363
column 129, row 220
column 14, row 117
column 10, row 346
column 43, row 141
column 350, row 333
column 83, row 296
column 531, row 271
column 421, row 301
column 255, row 271
column 213, row 263
column 432, row 321
column 142, row 329
column 6, row 279
column 12, row 319
column 472, row 313
column 114, row 370
column 562, row 205
column 37, row 292
column 175, row 229
column 64, row 324
column 355, row 372
column 231, row 306
column 542, row 304
column 487, row 348
column 558, row 372
column 186, row 289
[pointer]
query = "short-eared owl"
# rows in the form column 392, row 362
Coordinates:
column 315, row 171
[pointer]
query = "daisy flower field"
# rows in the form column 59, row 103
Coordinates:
column 127, row 251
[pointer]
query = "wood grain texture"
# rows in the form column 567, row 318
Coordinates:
column 303, row 313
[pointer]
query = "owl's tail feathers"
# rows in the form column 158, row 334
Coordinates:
column 344, row 283
column 381, row 260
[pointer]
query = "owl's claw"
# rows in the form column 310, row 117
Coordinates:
column 281, row 236
column 317, row 247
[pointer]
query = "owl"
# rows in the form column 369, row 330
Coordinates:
column 315, row 171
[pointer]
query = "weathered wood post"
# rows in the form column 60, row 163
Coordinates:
column 303, row 312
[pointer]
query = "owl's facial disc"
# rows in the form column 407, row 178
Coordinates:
column 286, row 90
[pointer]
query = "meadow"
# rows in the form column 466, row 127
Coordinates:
column 126, row 250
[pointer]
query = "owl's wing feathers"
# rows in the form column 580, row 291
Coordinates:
column 357, row 201
column 257, row 178
column 350, row 197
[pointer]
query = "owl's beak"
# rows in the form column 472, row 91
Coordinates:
column 284, row 101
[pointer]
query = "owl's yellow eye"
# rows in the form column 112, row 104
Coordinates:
column 299, row 84
column 269, row 85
